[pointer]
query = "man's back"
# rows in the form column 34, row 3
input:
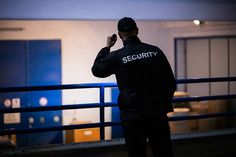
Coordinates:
column 144, row 78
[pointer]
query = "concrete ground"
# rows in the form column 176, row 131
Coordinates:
column 211, row 144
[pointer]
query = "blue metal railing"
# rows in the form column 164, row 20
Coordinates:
column 102, row 104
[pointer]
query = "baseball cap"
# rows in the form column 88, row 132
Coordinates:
column 126, row 24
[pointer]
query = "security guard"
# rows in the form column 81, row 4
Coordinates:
column 146, row 83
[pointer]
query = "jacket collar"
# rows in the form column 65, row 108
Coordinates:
column 131, row 40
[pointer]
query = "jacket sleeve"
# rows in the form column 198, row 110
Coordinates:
column 104, row 63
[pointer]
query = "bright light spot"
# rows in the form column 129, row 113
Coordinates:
column 197, row 22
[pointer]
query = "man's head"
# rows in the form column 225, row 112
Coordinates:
column 127, row 27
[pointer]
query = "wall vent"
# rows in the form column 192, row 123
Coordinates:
column 7, row 29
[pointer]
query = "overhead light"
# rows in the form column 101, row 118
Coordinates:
column 197, row 22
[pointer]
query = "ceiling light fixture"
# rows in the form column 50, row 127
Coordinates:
column 197, row 22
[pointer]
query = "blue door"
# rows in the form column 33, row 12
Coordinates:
column 44, row 68
column 117, row 131
column 12, row 74
column 32, row 63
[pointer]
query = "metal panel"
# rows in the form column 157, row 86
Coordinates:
column 12, row 63
column 197, row 65
column 219, row 65
column 232, row 64
column 44, row 68
column 180, row 66
column 117, row 131
column 12, row 70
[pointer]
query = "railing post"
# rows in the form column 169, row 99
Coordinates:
column 102, row 113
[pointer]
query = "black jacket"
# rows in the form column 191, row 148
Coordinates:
column 144, row 77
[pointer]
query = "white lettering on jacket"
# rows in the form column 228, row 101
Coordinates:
column 139, row 56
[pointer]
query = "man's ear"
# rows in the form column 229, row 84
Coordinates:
column 120, row 35
column 137, row 31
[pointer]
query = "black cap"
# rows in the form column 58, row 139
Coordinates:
column 126, row 24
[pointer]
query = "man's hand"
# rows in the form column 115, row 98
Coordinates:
column 111, row 40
